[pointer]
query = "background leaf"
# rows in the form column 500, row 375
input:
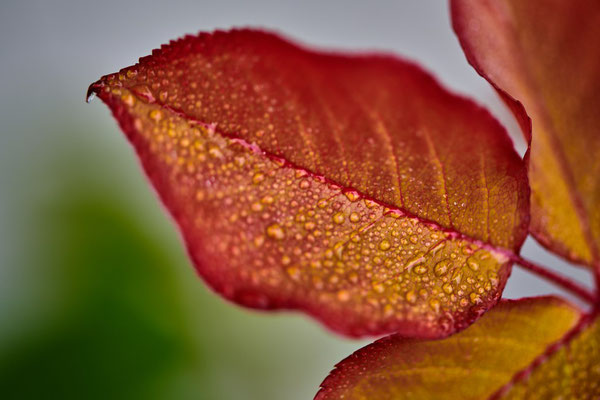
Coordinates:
column 544, row 54
column 472, row 364
column 354, row 188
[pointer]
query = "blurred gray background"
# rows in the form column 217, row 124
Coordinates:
column 97, row 298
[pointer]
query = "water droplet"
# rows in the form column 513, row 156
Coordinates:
column 294, row 273
column 304, row 184
column 441, row 268
column 258, row 178
column 338, row 218
column 388, row 310
column 240, row 161
column 378, row 287
column 370, row 203
column 411, row 297
column 420, row 269
column 275, row 231
column 384, row 245
column 413, row 239
column 128, row 99
column 354, row 217
column 457, row 276
column 309, row 226
column 434, row 304
column 472, row 264
column 214, row 151
column 91, row 95
column 352, row 195
column 343, row 295
column 338, row 249
column 267, row 200
column 286, row 260
column 447, row 288
column 155, row 115
column 259, row 240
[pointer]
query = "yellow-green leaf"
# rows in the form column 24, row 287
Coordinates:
column 569, row 371
column 473, row 364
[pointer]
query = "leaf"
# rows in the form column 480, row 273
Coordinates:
column 544, row 54
column 354, row 188
column 479, row 361
column 571, row 371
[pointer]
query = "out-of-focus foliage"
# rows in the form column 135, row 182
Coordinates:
column 119, row 330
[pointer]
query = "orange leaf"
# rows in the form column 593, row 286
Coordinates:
column 545, row 54
column 478, row 362
column 352, row 187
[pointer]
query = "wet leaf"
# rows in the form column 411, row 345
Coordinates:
column 544, row 55
column 354, row 188
column 478, row 362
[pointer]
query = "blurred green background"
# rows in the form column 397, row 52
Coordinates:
column 97, row 297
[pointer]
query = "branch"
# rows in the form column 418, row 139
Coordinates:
column 558, row 279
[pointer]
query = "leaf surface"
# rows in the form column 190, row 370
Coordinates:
column 352, row 187
column 545, row 55
column 570, row 371
column 476, row 363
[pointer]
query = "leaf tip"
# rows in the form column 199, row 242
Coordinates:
column 92, row 91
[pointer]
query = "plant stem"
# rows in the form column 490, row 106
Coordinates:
column 597, row 275
column 560, row 280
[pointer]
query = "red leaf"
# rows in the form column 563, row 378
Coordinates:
column 352, row 187
column 545, row 55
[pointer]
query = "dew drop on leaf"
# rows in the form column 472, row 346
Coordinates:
column 275, row 231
